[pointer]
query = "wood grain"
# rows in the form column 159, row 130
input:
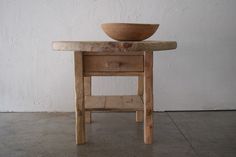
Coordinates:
column 79, row 90
column 130, row 53
column 114, row 73
column 113, row 46
column 113, row 103
column 148, row 97
column 129, row 31
column 139, row 114
column 87, row 92
column 113, row 58
column 93, row 103
column 112, row 63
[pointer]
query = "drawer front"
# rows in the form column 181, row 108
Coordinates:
column 103, row 63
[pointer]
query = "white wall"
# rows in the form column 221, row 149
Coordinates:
column 200, row 74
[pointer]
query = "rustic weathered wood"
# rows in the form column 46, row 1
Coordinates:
column 112, row 63
column 88, row 116
column 131, row 103
column 113, row 46
column 87, row 92
column 140, row 86
column 87, row 86
column 139, row 114
column 94, row 102
column 113, row 103
column 114, row 73
column 114, row 49
column 131, row 53
column 148, row 97
column 79, row 89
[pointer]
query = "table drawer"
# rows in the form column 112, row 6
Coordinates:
column 103, row 63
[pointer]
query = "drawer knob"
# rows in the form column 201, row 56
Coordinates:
column 113, row 64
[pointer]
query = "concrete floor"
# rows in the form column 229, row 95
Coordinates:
column 176, row 134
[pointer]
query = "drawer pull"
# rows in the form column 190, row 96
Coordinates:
column 116, row 63
column 113, row 64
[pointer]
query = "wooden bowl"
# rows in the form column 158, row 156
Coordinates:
column 129, row 31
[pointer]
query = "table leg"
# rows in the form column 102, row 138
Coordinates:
column 139, row 114
column 79, row 90
column 87, row 92
column 88, row 117
column 148, row 97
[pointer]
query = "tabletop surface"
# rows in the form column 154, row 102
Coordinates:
column 113, row 46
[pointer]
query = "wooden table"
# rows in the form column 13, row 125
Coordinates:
column 111, row 58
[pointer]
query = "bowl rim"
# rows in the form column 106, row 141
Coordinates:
column 132, row 24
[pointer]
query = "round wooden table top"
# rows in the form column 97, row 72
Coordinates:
column 113, row 46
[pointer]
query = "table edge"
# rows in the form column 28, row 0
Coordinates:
column 113, row 46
